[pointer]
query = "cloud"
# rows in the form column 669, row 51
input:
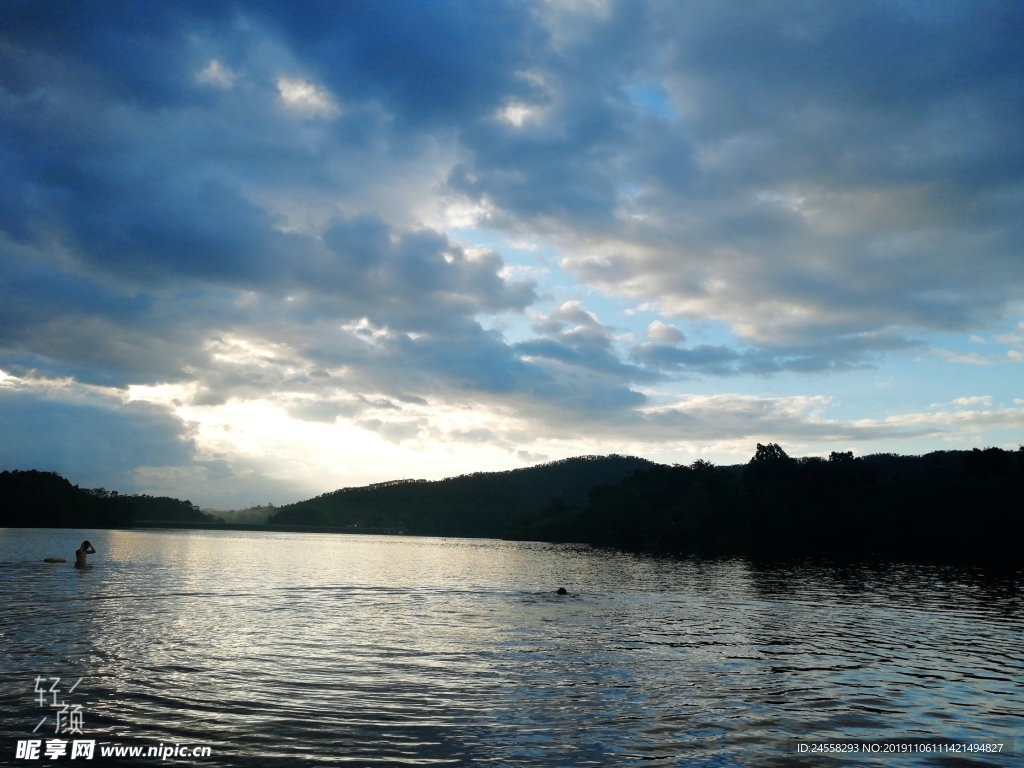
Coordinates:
column 664, row 333
column 936, row 423
column 1015, row 337
column 801, row 420
column 800, row 211
column 306, row 98
column 821, row 179
column 322, row 410
column 841, row 353
column 518, row 114
column 392, row 431
column 250, row 450
column 573, row 337
column 90, row 436
column 216, row 74
column 975, row 400
column 262, row 211
column 967, row 358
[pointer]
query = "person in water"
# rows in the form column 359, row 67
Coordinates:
column 81, row 552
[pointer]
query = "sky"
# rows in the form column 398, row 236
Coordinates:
column 252, row 252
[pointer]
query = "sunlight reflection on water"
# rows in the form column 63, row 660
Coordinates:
column 335, row 648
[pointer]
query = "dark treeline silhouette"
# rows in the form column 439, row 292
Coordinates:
column 167, row 510
column 33, row 499
column 944, row 506
column 949, row 505
column 479, row 504
column 47, row 500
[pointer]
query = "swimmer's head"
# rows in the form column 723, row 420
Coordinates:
column 87, row 547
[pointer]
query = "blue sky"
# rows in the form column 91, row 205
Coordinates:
column 256, row 251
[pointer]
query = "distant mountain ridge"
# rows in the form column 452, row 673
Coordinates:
column 480, row 504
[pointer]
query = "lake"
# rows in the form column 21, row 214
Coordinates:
column 304, row 649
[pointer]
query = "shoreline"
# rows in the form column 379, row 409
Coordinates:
column 178, row 525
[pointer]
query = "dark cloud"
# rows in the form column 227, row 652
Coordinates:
column 35, row 292
column 789, row 172
column 433, row 65
column 837, row 170
column 247, row 200
column 92, row 443
column 413, row 280
column 574, row 336
column 841, row 353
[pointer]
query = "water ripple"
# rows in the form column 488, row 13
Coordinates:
column 389, row 650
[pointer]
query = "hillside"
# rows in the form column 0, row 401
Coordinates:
column 167, row 510
column 479, row 504
column 34, row 499
column 947, row 505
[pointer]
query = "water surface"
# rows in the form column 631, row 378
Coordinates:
column 306, row 649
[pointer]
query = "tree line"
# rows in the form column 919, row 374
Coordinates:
column 34, row 499
column 481, row 504
column 948, row 505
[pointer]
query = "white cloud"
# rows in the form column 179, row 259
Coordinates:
column 462, row 215
column 936, row 423
column 307, row 98
column 1014, row 337
column 967, row 358
column 976, row 400
column 520, row 271
column 216, row 74
column 286, row 444
column 518, row 114
column 1015, row 355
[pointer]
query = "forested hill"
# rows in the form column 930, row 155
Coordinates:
column 947, row 506
column 480, row 504
column 33, row 499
